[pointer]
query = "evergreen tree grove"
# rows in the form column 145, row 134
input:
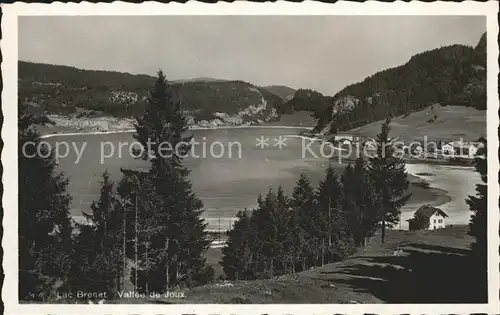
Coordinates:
column 98, row 255
column 284, row 235
column 45, row 243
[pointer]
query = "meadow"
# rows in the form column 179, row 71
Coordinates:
column 446, row 123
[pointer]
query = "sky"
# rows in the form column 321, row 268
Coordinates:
column 324, row 53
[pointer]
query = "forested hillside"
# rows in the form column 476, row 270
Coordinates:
column 451, row 75
column 307, row 100
column 66, row 90
column 285, row 92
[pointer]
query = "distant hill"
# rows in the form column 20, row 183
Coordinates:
column 307, row 100
column 451, row 75
column 67, row 90
column 201, row 79
column 286, row 93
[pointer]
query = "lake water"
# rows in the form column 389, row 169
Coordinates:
column 230, row 180
column 459, row 182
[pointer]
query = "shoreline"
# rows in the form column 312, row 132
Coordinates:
column 443, row 195
column 92, row 133
column 448, row 193
column 437, row 195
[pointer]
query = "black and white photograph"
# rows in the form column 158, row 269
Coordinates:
column 253, row 159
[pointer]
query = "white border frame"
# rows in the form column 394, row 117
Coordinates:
column 9, row 153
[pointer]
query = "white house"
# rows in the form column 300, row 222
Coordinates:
column 417, row 149
column 343, row 137
column 448, row 149
column 472, row 150
column 345, row 141
column 436, row 217
column 437, row 220
column 347, row 138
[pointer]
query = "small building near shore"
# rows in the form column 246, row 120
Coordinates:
column 448, row 149
column 428, row 218
column 347, row 138
column 416, row 149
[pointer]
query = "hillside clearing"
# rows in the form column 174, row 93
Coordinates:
column 451, row 124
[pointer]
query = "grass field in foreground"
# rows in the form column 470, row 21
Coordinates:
column 434, row 268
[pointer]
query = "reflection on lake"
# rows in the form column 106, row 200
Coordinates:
column 230, row 183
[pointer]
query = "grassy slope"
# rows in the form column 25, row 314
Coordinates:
column 452, row 123
column 434, row 267
column 373, row 275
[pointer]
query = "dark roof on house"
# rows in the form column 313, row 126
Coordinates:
column 429, row 210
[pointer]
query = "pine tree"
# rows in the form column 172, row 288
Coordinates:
column 303, row 192
column 237, row 255
column 272, row 218
column 44, row 222
column 181, row 241
column 283, row 232
column 389, row 178
column 263, row 219
column 419, row 222
column 135, row 215
column 360, row 202
column 302, row 203
column 329, row 219
column 478, row 226
column 98, row 255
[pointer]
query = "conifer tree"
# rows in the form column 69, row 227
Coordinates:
column 276, row 207
column 180, row 240
column 360, row 207
column 136, row 212
column 98, row 256
column 389, row 178
column 302, row 203
column 329, row 219
column 44, row 223
column 303, row 192
column 237, row 254
column 294, row 242
column 478, row 226
column 265, row 218
column 283, row 215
